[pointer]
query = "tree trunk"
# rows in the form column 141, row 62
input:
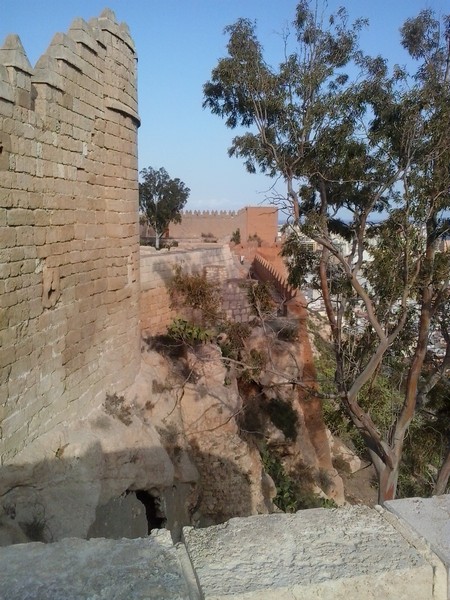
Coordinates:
column 387, row 483
column 157, row 238
column 443, row 476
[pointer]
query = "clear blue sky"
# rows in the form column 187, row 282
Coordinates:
column 178, row 44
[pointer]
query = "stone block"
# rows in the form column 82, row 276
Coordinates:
column 8, row 237
column 39, row 236
column 99, row 568
column 331, row 554
column 20, row 216
column 430, row 519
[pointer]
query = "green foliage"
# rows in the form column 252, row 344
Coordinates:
column 300, row 259
column 288, row 489
column 196, row 292
column 209, row 238
column 285, row 328
column 284, row 114
column 325, row 363
column 236, row 236
column 115, row 406
column 166, row 345
column 379, row 397
column 288, row 333
column 372, row 146
column 426, row 444
column 163, row 243
column 161, row 199
column 188, row 333
column 293, row 490
column 422, row 457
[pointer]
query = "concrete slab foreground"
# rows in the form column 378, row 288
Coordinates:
column 314, row 554
column 352, row 553
column 95, row 569
column 430, row 519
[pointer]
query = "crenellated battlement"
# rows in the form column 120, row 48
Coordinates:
column 92, row 51
column 209, row 213
column 267, row 271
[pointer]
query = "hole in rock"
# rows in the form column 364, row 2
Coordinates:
column 155, row 516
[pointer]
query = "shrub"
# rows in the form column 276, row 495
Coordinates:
column 163, row 242
column 293, row 491
column 236, row 236
column 255, row 238
column 236, row 334
column 289, row 333
column 209, row 238
column 260, row 298
column 183, row 331
column 196, row 292
column 255, row 361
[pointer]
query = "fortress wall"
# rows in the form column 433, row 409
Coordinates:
column 69, row 263
column 157, row 270
column 251, row 220
column 266, row 271
column 259, row 221
column 221, row 224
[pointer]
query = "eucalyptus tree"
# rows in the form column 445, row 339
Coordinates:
column 366, row 159
column 161, row 200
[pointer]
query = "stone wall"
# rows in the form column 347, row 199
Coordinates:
column 69, row 268
column 235, row 302
column 157, row 270
column 220, row 224
column 259, row 221
column 267, row 271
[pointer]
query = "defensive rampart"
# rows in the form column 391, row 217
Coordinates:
column 157, row 270
column 259, row 222
column 267, row 271
column 69, row 268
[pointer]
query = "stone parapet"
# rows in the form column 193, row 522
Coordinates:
column 267, row 271
column 428, row 518
column 76, row 569
column 335, row 554
column 332, row 554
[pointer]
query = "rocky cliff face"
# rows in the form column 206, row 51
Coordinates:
column 198, row 439
column 282, row 406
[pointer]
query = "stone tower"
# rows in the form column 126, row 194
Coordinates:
column 69, row 270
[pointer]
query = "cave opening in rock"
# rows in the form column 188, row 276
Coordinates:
column 156, row 518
